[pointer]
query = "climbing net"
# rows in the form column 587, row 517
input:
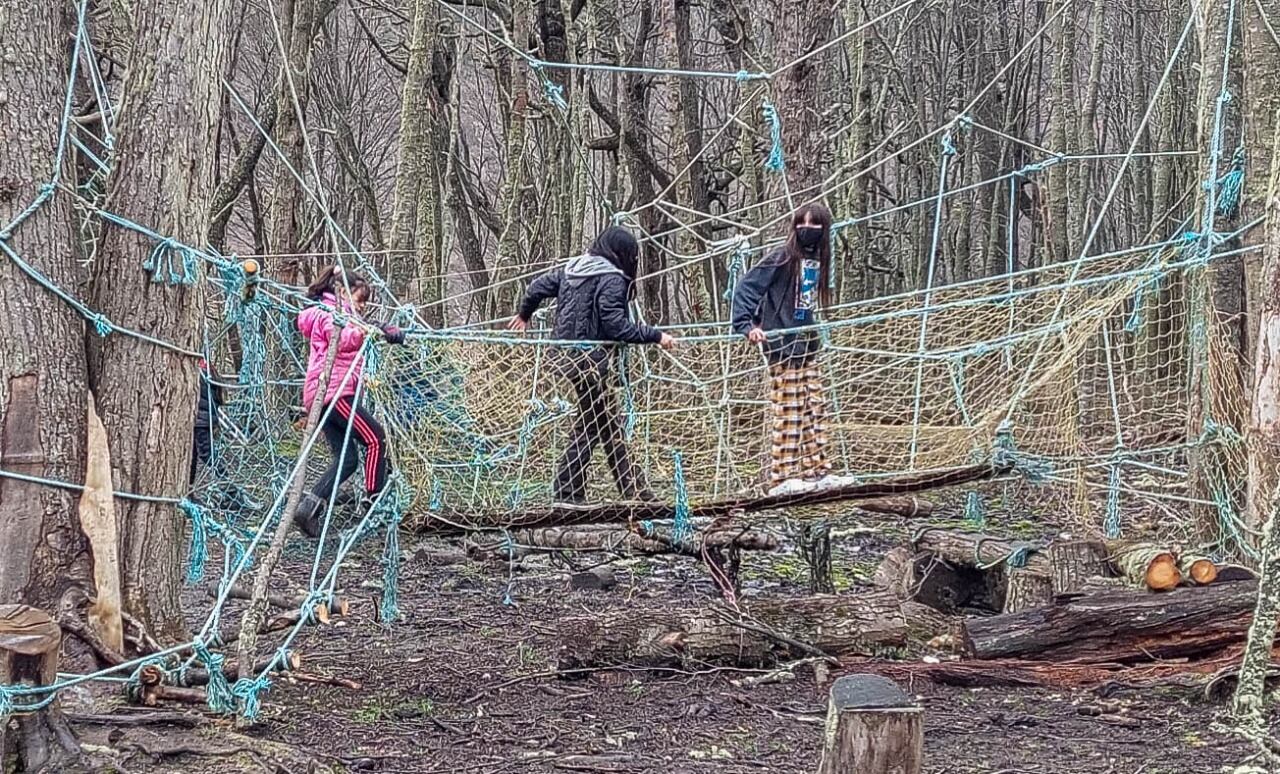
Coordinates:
column 1106, row 381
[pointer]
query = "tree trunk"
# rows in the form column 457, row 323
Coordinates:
column 1119, row 626
column 146, row 394
column 606, row 513
column 414, row 168
column 42, row 369
column 1262, row 116
column 801, row 27
column 872, row 728
column 301, row 22
column 771, row 631
column 1062, row 122
column 515, row 172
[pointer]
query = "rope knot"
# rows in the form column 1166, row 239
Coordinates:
column 218, row 692
column 249, row 694
column 101, row 325
column 199, row 551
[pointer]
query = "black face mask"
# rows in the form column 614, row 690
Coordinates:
column 809, row 237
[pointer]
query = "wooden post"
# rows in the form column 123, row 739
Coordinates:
column 29, row 644
column 872, row 728
column 1073, row 562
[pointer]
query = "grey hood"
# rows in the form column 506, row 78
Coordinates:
column 586, row 266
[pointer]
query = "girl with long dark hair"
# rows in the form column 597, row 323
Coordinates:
column 593, row 292
column 339, row 291
column 776, row 305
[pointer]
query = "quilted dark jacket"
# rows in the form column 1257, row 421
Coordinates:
column 591, row 304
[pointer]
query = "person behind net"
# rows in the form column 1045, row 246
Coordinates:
column 775, row 305
column 592, row 293
column 349, row 423
column 206, row 422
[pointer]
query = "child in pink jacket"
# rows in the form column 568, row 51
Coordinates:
column 347, row 293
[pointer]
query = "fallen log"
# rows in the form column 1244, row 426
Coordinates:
column 1119, row 626
column 622, row 512
column 1146, row 565
column 972, row 549
column 770, row 631
column 906, row 506
column 337, row 606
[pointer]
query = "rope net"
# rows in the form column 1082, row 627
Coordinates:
column 1106, row 382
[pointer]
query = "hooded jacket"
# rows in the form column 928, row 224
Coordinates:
column 316, row 323
column 766, row 297
column 592, row 303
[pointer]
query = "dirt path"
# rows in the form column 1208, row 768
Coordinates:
column 462, row 684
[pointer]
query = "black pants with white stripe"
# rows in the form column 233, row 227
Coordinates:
column 366, row 433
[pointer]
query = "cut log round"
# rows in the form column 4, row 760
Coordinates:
column 872, row 728
column 1198, row 569
column 771, row 630
column 1146, row 565
column 897, row 573
column 1119, row 626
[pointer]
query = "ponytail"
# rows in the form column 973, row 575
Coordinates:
column 335, row 277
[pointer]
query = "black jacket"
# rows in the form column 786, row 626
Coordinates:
column 766, row 297
column 204, row 417
column 592, row 303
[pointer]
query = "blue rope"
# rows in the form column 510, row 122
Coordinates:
column 680, row 526
column 737, row 267
column 1004, row 453
column 249, row 695
column 974, row 512
column 199, row 551
column 391, row 561
column 160, row 262
column 1230, row 186
column 775, row 162
column 218, row 691
column 6, row 703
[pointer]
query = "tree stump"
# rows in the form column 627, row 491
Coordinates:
column 29, row 644
column 872, row 728
column 815, row 545
column 1026, row 589
column 1073, row 562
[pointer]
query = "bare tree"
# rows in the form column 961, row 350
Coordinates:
column 146, row 393
column 42, row 371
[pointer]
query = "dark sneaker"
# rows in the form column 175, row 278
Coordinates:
column 307, row 515
column 575, row 500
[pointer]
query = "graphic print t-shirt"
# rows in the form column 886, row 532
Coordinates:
column 807, row 293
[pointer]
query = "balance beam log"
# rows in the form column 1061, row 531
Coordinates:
column 624, row 512
column 872, row 728
column 1121, row 626
column 771, row 631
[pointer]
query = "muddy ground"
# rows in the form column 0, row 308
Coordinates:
column 466, row 683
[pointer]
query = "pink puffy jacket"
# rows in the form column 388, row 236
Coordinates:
column 316, row 323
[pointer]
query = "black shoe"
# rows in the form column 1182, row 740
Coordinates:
column 307, row 515
column 644, row 495
column 572, row 500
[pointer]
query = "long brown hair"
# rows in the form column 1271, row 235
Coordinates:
column 335, row 277
column 818, row 215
